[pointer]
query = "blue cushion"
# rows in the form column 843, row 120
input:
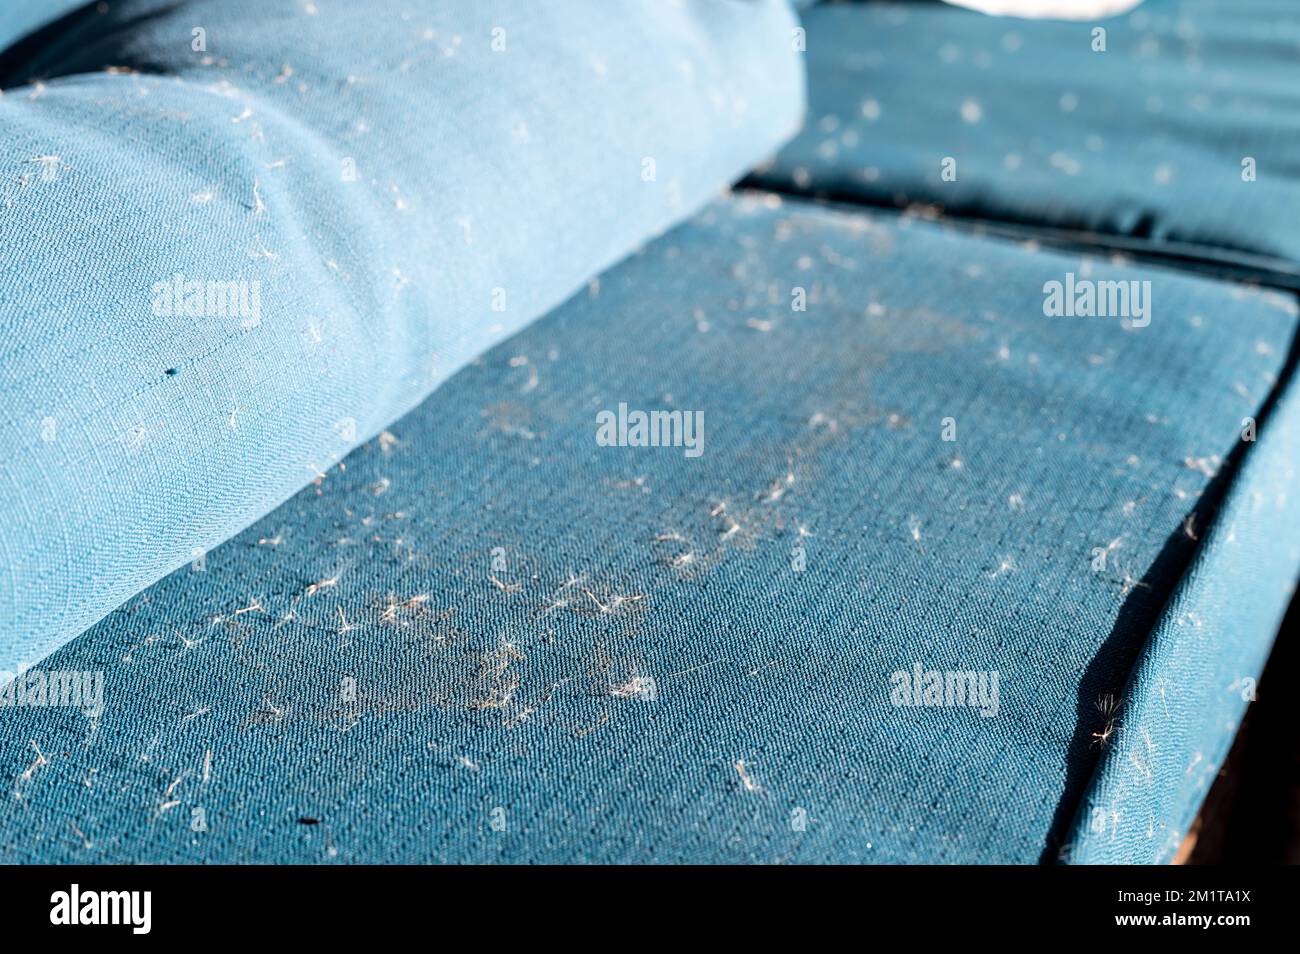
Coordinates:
column 19, row 19
column 489, row 637
column 1146, row 144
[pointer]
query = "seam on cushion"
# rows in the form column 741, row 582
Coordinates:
column 1195, row 672
column 1223, row 262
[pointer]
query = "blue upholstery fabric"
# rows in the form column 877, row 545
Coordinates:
column 18, row 18
column 440, row 651
column 389, row 192
column 1142, row 143
column 1199, row 668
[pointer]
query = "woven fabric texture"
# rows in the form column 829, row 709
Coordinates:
column 488, row 637
column 1175, row 130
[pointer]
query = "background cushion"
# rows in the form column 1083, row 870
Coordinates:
column 1142, row 144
